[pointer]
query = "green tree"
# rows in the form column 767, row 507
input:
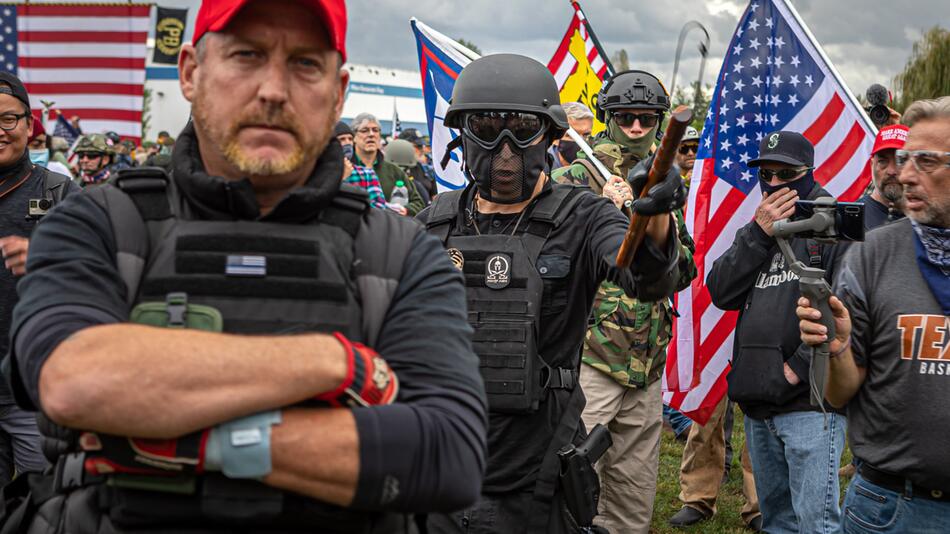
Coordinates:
column 620, row 60
column 927, row 72
column 146, row 110
column 700, row 106
column 470, row 45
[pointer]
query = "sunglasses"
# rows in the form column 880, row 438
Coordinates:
column 926, row 161
column 91, row 155
column 488, row 127
column 691, row 147
column 784, row 175
column 626, row 119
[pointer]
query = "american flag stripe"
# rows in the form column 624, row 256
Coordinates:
column 792, row 89
column 563, row 64
column 89, row 60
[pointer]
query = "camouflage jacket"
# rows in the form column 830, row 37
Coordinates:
column 616, row 158
column 627, row 338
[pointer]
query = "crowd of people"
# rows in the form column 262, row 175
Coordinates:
column 470, row 361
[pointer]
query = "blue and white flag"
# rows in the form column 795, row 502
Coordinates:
column 440, row 61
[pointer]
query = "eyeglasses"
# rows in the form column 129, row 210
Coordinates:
column 367, row 130
column 926, row 161
column 488, row 127
column 8, row 121
column 626, row 120
column 784, row 175
column 90, row 155
column 687, row 148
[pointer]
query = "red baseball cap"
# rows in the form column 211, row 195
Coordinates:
column 214, row 15
column 893, row 136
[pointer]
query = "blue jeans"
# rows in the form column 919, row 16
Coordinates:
column 679, row 422
column 795, row 462
column 871, row 509
column 20, row 442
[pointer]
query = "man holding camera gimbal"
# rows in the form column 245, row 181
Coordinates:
column 795, row 449
column 892, row 342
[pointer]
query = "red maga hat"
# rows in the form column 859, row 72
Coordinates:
column 893, row 136
column 214, row 15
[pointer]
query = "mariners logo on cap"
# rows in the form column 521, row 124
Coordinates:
column 497, row 271
column 457, row 259
column 773, row 140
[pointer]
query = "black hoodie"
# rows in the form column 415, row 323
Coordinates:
column 754, row 278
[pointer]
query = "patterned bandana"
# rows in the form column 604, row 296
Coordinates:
column 936, row 243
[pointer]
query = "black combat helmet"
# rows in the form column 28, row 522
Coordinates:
column 631, row 89
column 507, row 82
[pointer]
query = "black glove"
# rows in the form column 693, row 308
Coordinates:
column 665, row 197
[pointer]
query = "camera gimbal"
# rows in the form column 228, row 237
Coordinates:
column 820, row 227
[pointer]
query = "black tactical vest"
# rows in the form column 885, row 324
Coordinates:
column 336, row 273
column 504, row 293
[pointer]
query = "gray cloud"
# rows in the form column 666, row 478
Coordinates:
column 868, row 42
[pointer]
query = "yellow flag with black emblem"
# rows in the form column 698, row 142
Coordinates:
column 579, row 64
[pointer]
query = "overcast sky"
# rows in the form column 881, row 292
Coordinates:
column 868, row 41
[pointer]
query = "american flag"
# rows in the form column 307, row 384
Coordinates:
column 774, row 77
column 89, row 60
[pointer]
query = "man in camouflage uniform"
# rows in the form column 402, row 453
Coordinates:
column 625, row 347
column 94, row 157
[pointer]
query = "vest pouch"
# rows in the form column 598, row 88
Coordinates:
column 508, row 360
column 176, row 312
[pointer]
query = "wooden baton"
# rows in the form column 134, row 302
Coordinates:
column 662, row 161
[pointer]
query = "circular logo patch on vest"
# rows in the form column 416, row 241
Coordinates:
column 457, row 259
column 498, row 271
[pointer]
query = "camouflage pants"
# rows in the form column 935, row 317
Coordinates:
column 628, row 469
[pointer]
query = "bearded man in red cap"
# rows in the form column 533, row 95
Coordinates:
column 885, row 201
column 233, row 346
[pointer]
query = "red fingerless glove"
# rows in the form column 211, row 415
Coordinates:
column 369, row 380
column 107, row 454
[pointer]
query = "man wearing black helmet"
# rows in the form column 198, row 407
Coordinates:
column 533, row 254
column 625, row 346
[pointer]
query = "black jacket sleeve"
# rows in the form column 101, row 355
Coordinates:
column 654, row 273
column 733, row 274
column 427, row 452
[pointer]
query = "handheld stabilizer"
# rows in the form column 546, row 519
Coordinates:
column 820, row 227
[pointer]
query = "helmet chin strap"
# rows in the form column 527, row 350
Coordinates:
column 452, row 145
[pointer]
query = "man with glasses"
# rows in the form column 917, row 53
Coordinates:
column 885, row 201
column 892, row 343
column 795, row 449
column 368, row 153
column 27, row 191
column 686, row 154
column 533, row 254
column 625, row 347
column 94, row 158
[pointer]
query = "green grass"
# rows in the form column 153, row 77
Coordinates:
column 730, row 499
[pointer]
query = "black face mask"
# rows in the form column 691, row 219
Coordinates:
column 505, row 174
column 568, row 149
column 802, row 185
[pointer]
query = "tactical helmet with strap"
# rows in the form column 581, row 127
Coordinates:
column 632, row 89
column 507, row 82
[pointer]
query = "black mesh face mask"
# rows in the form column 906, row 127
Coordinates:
column 505, row 174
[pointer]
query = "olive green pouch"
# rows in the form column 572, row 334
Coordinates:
column 176, row 312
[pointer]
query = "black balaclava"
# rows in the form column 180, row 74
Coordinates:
column 802, row 186
column 505, row 174
column 568, row 148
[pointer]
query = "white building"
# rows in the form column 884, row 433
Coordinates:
column 376, row 90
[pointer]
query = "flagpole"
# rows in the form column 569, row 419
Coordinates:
column 831, row 66
column 590, row 32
